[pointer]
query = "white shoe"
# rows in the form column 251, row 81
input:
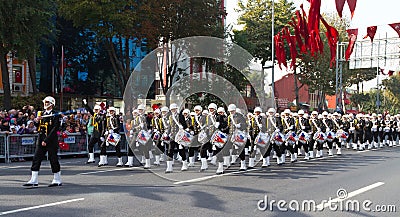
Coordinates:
column 390, row 144
column 278, row 160
column 321, row 153
column 226, row 161
column 162, row 158
column 274, row 156
column 213, row 160
column 330, row 152
column 234, row 158
column 354, row 146
column 306, row 156
column 120, row 163
column 184, row 166
column 242, row 165
column 102, row 161
column 348, row 145
column 318, row 155
column 143, row 161
column 56, row 180
column 33, row 182
column 204, row 164
column 151, row 155
column 251, row 163
column 220, row 169
column 91, row 158
column 147, row 164
column 191, row 162
column 311, row 154
column 246, row 151
column 129, row 163
column 265, row 162
column 283, row 158
column 339, row 151
column 157, row 160
column 292, row 158
column 169, row 167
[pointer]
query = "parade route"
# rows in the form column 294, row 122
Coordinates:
column 109, row 191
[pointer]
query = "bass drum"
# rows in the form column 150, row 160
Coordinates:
column 219, row 139
column 262, row 140
column 239, row 138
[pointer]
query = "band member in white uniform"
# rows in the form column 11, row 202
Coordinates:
column 256, row 125
column 368, row 137
column 210, row 125
column 97, row 120
column 174, row 127
column 222, row 119
column 303, row 125
column 197, row 124
column 112, row 126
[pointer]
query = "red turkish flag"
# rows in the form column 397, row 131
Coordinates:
column 371, row 31
column 280, row 51
column 292, row 45
column 396, row 27
column 352, row 39
column 339, row 6
column 352, row 6
column 314, row 15
column 297, row 32
column 332, row 35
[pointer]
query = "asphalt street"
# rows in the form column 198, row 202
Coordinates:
column 336, row 184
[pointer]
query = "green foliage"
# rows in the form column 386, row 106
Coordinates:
column 256, row 16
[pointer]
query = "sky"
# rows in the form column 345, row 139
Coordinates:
column 367, row 13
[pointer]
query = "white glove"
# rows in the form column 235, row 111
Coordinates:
column 149, row 131
column 216, row 125
column 318, row 129
column 106, row 133
column 187, row 129
column 102, row 139
column 328, row 129
column 260, row 126
column 192, row 132
column 180, row 127
column 141, row 125
column 110, row 131
column 131, row 132
column 303, row 127
column 237, row 125
column 277, row 131
column 84, row 101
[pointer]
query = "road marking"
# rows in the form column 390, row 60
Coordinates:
column 213, row 176
column 104, row 171
column 323, row 205
column 40, row 206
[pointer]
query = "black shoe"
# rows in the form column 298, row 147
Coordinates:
column 119, row 166
column 90, row 162
column 250, row 167
column 30, row 185
column 55, row 184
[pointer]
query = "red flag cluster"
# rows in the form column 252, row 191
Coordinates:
column 306, row 35
column 352, row 34
column 340, row 5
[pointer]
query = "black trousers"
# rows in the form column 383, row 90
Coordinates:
column 359, row 136
column 103, row 149
column 204, row 148
column 375, row 136
column 368, row 137
column 92, row 141
column 266, row 151
column 304, row 145
column 40, row 154
column 171, row 149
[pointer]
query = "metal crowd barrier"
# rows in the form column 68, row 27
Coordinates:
column 19, row 146
column 3, row 147
column 75, row 143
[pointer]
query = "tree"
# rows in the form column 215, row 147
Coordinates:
column 114, row 24
column 256, row 16
column 23, row 26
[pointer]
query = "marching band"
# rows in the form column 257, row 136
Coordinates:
column 220, row 139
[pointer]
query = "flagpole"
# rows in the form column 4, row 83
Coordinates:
column 273, row 55
column 62, row 77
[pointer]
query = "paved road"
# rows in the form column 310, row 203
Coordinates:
column 110, row 191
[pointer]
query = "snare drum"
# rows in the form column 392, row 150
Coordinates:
column 319, row 137
column 239, row 138
column 278, row 138
column 113, row 139
column 304, row 137
column 183, row 138
column 143, row 137
column 203, row 138
column 330, row 136
column 291, row 138
column 262, row 140
column 219, row 139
